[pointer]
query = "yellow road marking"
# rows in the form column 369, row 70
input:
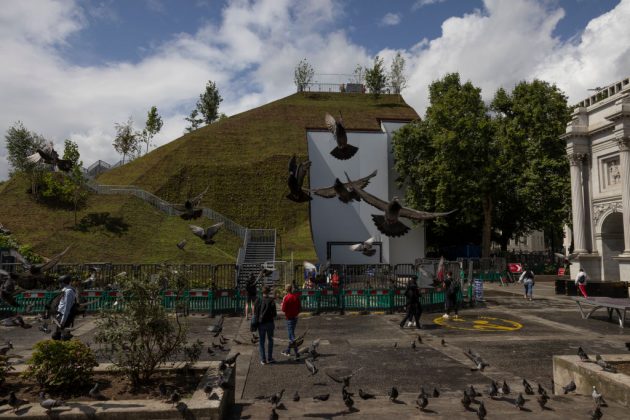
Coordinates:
column 482, row 323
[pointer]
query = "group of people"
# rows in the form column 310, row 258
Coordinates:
column 527, row 278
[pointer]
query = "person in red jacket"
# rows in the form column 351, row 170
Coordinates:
column 291, row 309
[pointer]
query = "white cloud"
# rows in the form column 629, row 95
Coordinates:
column 390, row 19
column 421, row 3
column 251, row 54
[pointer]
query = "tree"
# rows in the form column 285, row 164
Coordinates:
column 397, row 74
column 303, row 75
column 375, row 78
column 20, row 144
column 358, row 76
column 152, row 126
column 194, row 120
column 529, row 123
column 208, row 103
column 447, row 161
column 126, row 141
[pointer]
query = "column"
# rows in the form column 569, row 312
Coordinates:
column 577, row 202
column 624, row 163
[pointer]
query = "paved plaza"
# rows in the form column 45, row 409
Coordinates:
column 517, row 337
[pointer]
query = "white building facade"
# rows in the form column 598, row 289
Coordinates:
column 598, row 147
column 335, row 225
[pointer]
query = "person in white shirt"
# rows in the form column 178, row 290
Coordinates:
column 64, row 314
column 527, row 278
column 580, row 281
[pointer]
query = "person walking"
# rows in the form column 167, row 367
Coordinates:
column 580, row 281
column 265, row 312
column 527, row 278
column 291, row 308
column 64, row 313
column 451, row 289
column 414, row 310
column 251, row 290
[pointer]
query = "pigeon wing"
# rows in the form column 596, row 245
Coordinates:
column 292, row 164
column 326, row 192
column 197, row 230
column 309, row 266
column 356, row 247
column 302, row 170
column 54, row 260
column 369, row 241
column 35, row 157
column 331, row 124
column 421, row 215
column 361, row 182
column 338, row 380
column 212, row 230
column 370, row 199
column 197, row 199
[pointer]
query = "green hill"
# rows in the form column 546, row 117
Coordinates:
column 242, row 158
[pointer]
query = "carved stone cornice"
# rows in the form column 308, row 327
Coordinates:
column 623, row 141
column 577, row 158
column 600, row 209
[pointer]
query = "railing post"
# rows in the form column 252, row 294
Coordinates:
column 211, row 303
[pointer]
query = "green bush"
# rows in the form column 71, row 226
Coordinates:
column 61, row 365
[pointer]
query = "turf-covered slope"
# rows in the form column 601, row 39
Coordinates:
column 125, row 230
column 244, row 160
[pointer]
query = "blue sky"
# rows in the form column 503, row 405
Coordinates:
column 74, row 68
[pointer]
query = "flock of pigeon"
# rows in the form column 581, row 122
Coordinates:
column 353, row 190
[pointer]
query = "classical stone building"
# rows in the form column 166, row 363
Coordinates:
column 598, row 147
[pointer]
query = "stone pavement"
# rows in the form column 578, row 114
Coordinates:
column 517, row 337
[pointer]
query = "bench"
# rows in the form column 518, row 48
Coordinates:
column 618, row 305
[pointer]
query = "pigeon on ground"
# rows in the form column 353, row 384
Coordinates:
column 275, row 398
column 583, row 356
column 365, row 395
column 472, row 392
column 296, row 397
column 598, row 398
column 542, row 400
column 570, row 387
column 49, row 156
column 604, row 364
column 210, row 351
column 596, row 414
column 520, row 401
column 393, row 394
column 422, row 402
column 216, row 328
column 163, row 389
column 95, row 393
column 628, row 346
column 273, row 415
column 388, row 223
column 443, row 342
column 344, row 192
column 322, row 397
column 541, row 390
column 364, row 247
column 477, row 360
column 436, row 393
column 231, row 360
column 343, row 151
column 396, row 345
column 481, row 411
column 419, row 339
column 310, row 365
column 527, row 387
column 505, row 389
column 182, row 244
column 4, row 230
column 413, row 345
column 348, row 401
column 295, row 181
column 466, row 401
column 345, row 393
column 174, row 398
column 15, row 402
column 48, row 403
column 254, row 339
column 190, row 208
column 5, row 349
column 206, row 234
column 16, row 321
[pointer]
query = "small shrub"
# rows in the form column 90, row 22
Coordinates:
column 61, row 365
column 5, row 367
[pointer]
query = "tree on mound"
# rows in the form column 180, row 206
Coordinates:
column 207, row 108
column 20, row 144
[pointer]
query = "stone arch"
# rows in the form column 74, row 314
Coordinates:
column 612, row 244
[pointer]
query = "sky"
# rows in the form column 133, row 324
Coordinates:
column 75, row 68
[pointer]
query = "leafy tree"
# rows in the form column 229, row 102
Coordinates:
column 126, row 141
column 397, row 74
column 537, row 188
column 447, row 160
column 303, row 75
column 358, row 76
column 208, row 103
column 20, row 144
column 375, row 78
column 194, row 120
column 152, row 126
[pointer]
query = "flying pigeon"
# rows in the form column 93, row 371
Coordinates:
column 206, row 234
column 344, row 191
column 388, row 223
column 343, row 379
column 37, row 269
column 310, row 365
column 476, row 359
column 343, row 151
column 189, row 209
column 295, row 181
column 50, row 156
column 364, row 247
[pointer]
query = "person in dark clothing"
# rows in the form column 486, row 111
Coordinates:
column 265, row 311
column 451, row 289
column 252, row 291
column 414, row 310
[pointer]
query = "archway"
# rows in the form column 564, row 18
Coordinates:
column 612, row 245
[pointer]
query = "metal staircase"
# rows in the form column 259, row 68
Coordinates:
column 259, row 247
